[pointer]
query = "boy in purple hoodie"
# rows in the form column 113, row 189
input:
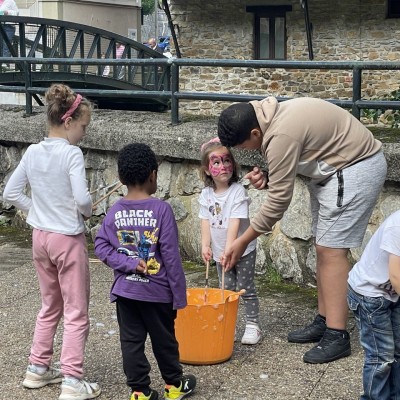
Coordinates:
column 139, row 241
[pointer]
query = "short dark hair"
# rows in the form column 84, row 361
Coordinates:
column 235, row 124
column 136, row 161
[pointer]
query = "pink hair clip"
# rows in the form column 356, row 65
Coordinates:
column 74, row 106
column 213, row 140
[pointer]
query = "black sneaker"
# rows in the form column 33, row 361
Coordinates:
column 188, row 383
column 332, row 346
column 310, row 333
column 153, row 395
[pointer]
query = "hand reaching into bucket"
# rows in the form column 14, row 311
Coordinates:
column 233, row 253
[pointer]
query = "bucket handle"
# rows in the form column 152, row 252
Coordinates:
column 239, row 293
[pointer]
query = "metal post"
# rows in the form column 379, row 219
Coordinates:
column 28, row 84
column 156, row 20
column 174, row 90
column 304, row 4
column 172, row 29
column 356, row 91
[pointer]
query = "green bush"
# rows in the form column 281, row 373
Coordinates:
column 147, row 7
column 392, row 117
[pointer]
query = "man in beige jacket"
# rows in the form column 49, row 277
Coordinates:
column 345, row 170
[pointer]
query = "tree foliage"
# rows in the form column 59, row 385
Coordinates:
column 147, row 7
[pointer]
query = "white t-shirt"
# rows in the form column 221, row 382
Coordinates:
column 55, row 172
column 219, row 208
column 370, row 276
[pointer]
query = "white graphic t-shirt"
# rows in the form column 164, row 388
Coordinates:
column 370, row 276
column 219, row 208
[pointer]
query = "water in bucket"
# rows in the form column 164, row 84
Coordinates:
column 205, row 328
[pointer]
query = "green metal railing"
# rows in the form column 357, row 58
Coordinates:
column 45, row 50
column 355, row 67
column 173, row 66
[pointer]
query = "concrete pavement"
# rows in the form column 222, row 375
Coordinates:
column 272, row 369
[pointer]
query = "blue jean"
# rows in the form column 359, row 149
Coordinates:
column 10, row 32
column 378, row 321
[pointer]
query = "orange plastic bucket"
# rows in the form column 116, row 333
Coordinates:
column 205, row 328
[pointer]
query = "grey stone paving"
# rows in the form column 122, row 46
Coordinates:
column 271, row 370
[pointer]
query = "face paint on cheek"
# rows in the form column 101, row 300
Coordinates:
column 222, row 166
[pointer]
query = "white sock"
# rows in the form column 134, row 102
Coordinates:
column 71, row 379
column 40, row 369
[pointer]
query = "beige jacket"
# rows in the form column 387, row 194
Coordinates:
column 308, row 137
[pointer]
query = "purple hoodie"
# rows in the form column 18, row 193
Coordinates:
column 143, row 229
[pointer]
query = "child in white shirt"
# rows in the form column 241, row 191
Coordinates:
column 224, row 213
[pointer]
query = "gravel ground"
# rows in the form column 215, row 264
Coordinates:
column 272, row 369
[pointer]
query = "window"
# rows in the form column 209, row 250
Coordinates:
column 393, row 8
column 269, row 31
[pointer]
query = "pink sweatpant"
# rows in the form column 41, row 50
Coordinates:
column 62, row 267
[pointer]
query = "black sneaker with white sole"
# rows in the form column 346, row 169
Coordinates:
column 333, row 346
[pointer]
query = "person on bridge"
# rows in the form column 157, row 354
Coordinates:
column 120, row 69
column 345, row 170
column 152, row 43
column 59, row 203
column 8, row 7
column 106, row 68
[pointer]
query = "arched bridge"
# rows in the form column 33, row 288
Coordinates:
column 48, row 38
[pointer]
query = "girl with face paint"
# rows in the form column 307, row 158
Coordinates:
column 224, row 214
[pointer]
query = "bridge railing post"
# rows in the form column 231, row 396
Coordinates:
column 174, row 90
column 28, row 84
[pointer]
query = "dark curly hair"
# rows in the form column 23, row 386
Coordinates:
column 136, row 161
column 235, row 124
column 205, row 160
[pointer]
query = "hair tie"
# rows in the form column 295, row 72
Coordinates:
column 74, row 106
column 213, row 140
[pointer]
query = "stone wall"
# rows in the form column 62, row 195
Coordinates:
column 288, row 248
column 342, row 30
